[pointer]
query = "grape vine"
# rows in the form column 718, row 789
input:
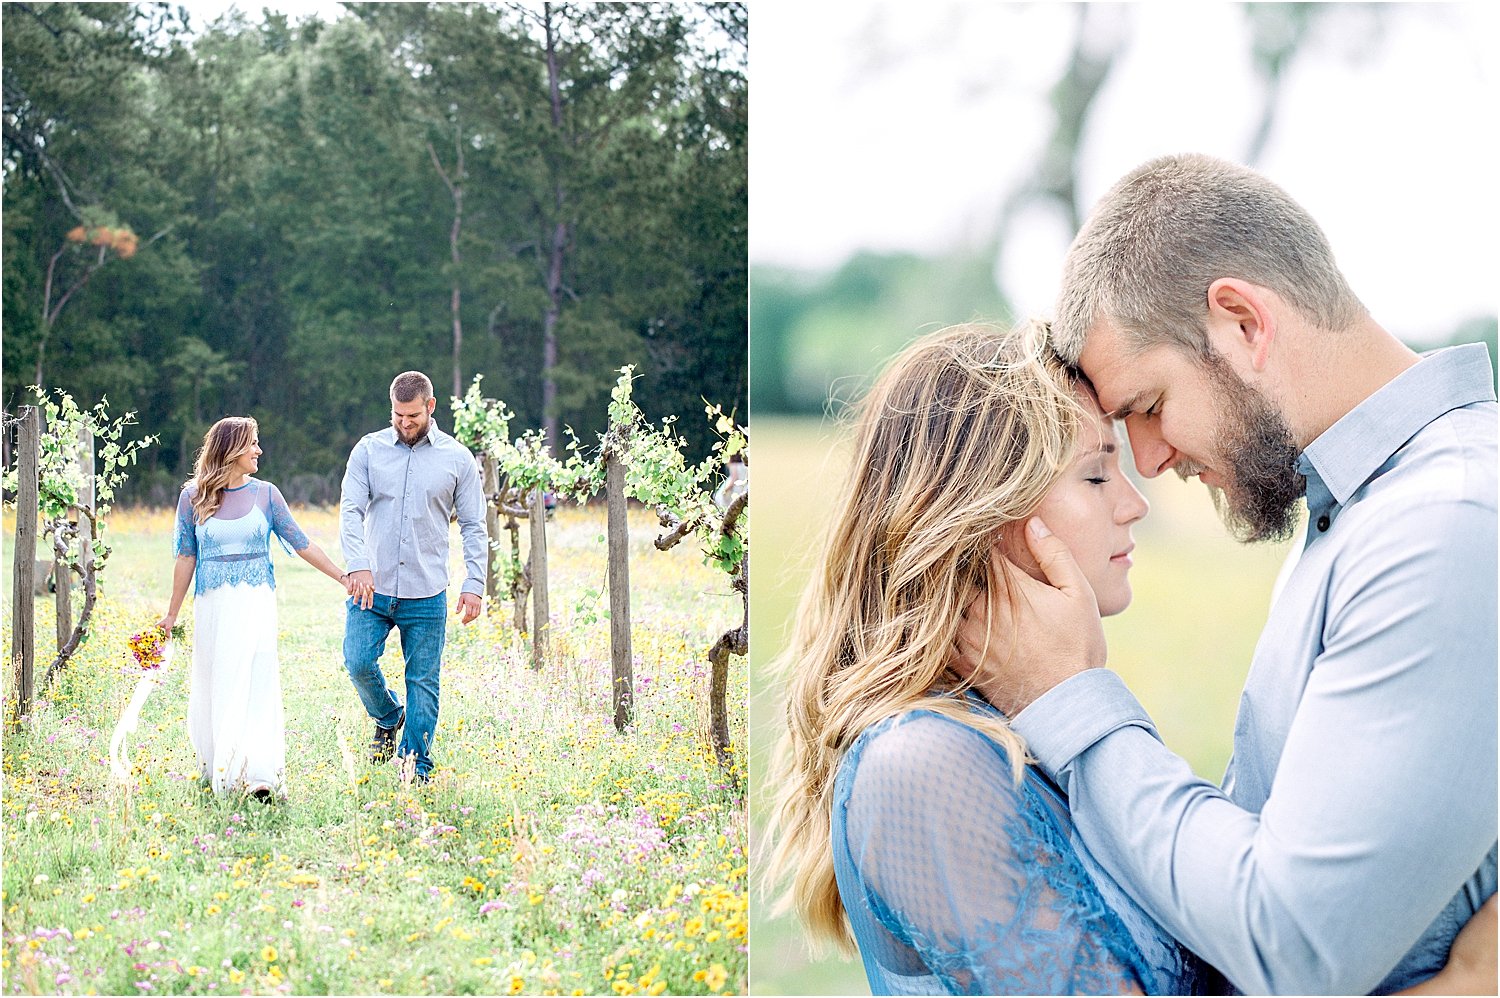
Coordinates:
column 61, row 490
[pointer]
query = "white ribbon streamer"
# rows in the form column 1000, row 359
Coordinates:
column 119, row 757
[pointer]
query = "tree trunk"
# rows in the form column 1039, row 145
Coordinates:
column 455, row 185
column 557, row 250
column 621, row 668
column 549, row 333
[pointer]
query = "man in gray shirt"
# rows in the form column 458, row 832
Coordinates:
column 402, row 488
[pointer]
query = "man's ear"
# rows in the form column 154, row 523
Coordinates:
column 1242, row 321
column 431, row 405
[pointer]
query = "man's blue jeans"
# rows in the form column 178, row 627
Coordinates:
column 423, row 624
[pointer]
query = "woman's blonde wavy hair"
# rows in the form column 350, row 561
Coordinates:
column 963, row 434
column 225, row 441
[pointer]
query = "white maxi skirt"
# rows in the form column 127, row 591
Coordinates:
column 234, row 713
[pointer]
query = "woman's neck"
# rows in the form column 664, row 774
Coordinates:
column 238, row 481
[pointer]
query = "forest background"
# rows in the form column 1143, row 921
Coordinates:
column 273, row 217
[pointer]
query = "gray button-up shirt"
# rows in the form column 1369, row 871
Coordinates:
column 396, row 506
column 1356, row 830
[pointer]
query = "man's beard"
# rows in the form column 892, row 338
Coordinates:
column 416, row 437
column 1259, row 498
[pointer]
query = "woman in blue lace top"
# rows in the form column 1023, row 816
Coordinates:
column 906, row 818
column 225, row 521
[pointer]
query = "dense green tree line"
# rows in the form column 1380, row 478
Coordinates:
column 267, row 218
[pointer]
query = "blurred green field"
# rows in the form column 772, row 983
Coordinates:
column 1184, row 646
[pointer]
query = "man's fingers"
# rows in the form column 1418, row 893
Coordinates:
column 1055, row 559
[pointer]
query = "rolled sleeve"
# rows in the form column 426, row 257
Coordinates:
column 1062, row 723
column 354, row 501
column 469, row 505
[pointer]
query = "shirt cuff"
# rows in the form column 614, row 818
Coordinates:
column 357, row 565
column 1062, row 723
column 474, row 587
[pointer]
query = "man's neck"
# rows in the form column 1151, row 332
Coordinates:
column 1338, row 371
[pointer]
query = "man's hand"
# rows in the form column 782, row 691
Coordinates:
column 469, row 604
column 361, row 585
column 1020, row 647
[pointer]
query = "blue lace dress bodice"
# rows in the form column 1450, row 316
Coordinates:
column 959, row 881
column 234, row 545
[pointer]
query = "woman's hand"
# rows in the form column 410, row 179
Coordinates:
column 167, row 622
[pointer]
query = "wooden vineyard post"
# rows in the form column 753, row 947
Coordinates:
column 540, row 613
column 491, row 476
column 520, row 583
column 74, row 529
column 62, row 576
column 621, row 668
column 23, row 640
column 88, row 499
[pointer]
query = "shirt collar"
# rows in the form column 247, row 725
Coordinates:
column 1345, row 455
column 433, row 433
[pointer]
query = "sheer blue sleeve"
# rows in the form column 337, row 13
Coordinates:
column 282, row 523
column 185, row 536
column 957, row 880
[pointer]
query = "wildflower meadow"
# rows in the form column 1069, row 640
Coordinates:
column 549, row 855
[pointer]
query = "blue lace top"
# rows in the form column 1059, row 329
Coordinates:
column 234, row 545
column 958, row 881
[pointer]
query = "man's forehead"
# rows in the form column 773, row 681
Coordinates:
column 1115, row 372
column 1124, row 373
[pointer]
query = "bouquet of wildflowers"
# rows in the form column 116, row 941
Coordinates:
column 151, row 649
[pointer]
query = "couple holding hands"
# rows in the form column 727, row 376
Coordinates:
column 401, row 489
column 967, row 795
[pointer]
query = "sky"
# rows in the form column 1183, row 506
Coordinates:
column 897, row 126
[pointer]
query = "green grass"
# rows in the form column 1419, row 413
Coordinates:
column 551, row 855
column 1184, row 646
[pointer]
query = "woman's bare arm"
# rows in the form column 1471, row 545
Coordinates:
column 182, row 575
column 1471, row 968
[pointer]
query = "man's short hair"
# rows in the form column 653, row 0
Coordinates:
column 1154, row 244
column 411, row 386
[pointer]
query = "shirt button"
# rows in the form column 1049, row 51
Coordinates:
column 1323, row 522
